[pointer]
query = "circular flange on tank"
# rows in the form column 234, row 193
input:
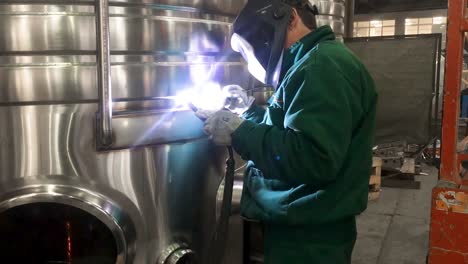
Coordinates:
column 56, row 223
column 177, row 253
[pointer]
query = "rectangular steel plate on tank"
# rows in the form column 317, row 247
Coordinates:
column 131, row 130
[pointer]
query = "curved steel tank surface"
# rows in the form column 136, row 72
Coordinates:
column 146, row 194
column 331, row 12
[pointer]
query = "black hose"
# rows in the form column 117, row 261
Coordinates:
column 218, row 241
column 217, row 244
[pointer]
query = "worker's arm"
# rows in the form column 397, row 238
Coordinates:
column 255, row 114
column 312, row 147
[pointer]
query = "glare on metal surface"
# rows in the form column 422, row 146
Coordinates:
column 205, row 96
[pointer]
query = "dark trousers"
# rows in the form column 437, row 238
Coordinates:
column 328, row 244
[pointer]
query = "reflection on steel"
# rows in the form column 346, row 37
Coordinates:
column 236, row 195
column 157, row 184
column 331, row 12
column 172, row 186
column 182, row 256
column 104, row 75
column 177, row 253
column 262, row 94
column 152, row 52
column 156, row 128
column 220, row 236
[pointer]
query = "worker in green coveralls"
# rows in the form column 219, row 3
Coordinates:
column 310, row 150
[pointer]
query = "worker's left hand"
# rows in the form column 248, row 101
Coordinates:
column 237, row 100
column 220, row 126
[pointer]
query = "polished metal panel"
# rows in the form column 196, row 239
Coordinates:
column 72, row 28
column 333, row 8
column 331, row 12
column 42, row 78
column 171, row 186
column 153, row 128
column 155, row 52
column 158, row 182
column 225, row 7
column 335, row 23
column 236, row 194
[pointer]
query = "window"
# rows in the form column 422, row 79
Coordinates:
column 439, row 20
column 374, row 28
column 427, row 25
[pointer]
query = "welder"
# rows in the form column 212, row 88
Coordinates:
column 310, row 150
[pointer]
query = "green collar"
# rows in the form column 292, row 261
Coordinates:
column 294, row 53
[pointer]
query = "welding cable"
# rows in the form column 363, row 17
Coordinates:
column 218, row 240
column 217, row 246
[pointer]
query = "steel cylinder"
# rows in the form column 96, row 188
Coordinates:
column 331, row 12
column 155, row 182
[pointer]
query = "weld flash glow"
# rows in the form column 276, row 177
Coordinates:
column 206, row 96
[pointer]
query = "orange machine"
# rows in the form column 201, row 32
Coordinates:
column 449, row 214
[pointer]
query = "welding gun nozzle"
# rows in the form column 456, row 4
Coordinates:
column 193, row 107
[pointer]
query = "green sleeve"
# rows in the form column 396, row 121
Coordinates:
column 255, row 114
column 312, row 145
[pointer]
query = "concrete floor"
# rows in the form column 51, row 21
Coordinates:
column 395, row 229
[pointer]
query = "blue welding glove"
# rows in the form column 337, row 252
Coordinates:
column 220, row 126
column 237, row 100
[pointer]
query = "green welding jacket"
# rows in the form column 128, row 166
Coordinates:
column 310, row 151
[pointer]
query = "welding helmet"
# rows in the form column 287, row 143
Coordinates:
column 259, row 34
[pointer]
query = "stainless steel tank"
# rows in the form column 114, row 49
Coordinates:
column 97, row 164
column 332, row 12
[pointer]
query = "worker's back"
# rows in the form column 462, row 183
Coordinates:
column 338, row 72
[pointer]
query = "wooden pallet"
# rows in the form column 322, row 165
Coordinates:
column 375, row 179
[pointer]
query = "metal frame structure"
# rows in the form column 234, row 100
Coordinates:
column 449, row 213
column 104, row 75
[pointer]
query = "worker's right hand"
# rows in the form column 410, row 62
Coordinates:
column 220, row 126
column 237, row 100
